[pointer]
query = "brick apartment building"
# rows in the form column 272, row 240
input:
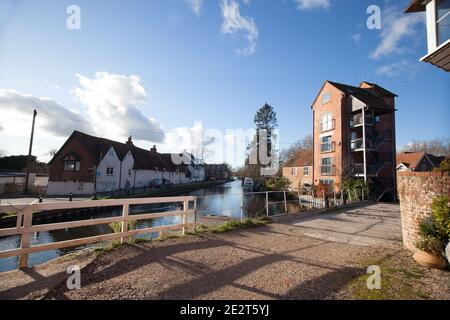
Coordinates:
column 354, row 137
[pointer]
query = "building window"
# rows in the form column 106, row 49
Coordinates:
column 326, row 97
column 129, row 172
column 71, row 166
column 306, row 171
column 377, row 119
column 111, row 153
column 109, row 171
column 326, row 168
column 293, row 172
column 80, row 185
column 326, row 122
column 326, row 144
column 443, row 21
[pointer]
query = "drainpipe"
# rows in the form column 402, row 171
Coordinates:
column 364, row 142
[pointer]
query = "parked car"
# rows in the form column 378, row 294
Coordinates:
column 248, row 183
column 160, row 183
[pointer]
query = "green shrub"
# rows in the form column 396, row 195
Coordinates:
column 435, row 231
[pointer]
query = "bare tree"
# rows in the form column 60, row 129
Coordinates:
column 437, row 147
column 290, row 152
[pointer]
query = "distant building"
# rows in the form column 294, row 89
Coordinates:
column 417, row 161
column 13, row 172
column 86, row 164
column 217, row 172
column 354, row 137
column 438, row 30
column 195, row 166
column 299, row 170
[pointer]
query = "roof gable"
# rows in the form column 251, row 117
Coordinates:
column 304, row 158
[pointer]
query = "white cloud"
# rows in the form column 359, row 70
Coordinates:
column 51, row 85
column 53, row 118
column 113, row 105
column 396, row 26
column 356, row 37
column 396, row 69
column 233, row 23
column 312, row 4
column 195, row 5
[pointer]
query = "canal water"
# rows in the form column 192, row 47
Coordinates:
column 218, row 200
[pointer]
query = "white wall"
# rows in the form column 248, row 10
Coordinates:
column 61, row 188
column 108, row 182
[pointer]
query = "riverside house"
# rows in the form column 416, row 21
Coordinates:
column 86, row 165
column 354, row 137
column 299, row 170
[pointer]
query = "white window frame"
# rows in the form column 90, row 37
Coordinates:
column 294, row 171
column 110, row 171
column 326, row 122
column 306, row 171
column 326, row 97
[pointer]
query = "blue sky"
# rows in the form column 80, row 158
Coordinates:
column 214, row 61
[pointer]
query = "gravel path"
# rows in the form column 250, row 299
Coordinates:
column 277, row 261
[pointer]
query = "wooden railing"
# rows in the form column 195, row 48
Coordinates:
column 25, row 228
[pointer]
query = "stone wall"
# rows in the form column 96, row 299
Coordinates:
column 416, row 191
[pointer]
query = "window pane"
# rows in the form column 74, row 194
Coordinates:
column 443, row 21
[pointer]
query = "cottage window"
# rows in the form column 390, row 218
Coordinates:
column 306, row 171
column 71, row 166
column 109, row 171
column 129, row 172
column 293, row 171
column 111, row 153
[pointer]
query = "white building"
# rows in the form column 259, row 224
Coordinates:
column 438, row 30
column 87, row 165
column 195, row 167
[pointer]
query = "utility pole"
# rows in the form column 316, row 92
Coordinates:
column 27, row 176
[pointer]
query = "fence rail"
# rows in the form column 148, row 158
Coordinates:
column 25, row 228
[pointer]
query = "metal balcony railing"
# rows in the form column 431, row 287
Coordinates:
column 357, row 119
column 328, row 147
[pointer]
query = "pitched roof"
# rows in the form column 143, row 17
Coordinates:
column 98, row 148
column 410, row 159
column 380, row 88
column 304, row 158
column 365, row 96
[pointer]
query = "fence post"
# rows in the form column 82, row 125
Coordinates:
column 242, row 207
column 267, row 204
column 124, row 228
column 185, row 209
column 285, row 203
column 25, row 237
column 195, row 214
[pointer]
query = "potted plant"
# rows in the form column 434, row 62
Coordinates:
column 435, row 234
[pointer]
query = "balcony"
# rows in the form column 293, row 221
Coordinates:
column 327, row 126
column 357, row 144
column 357, row 120
column 329, row 170
column 327, row 147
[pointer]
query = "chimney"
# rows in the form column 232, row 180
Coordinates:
column 130, row 141
column 154, row 148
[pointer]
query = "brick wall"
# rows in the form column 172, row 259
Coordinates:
column 416, row 191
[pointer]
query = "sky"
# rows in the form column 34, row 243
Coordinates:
column 164, row 71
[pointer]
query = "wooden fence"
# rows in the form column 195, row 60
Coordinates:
column 25, row 228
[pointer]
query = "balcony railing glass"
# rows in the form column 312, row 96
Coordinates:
column 357, row 119
column 327, row 170
column 329, row 125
